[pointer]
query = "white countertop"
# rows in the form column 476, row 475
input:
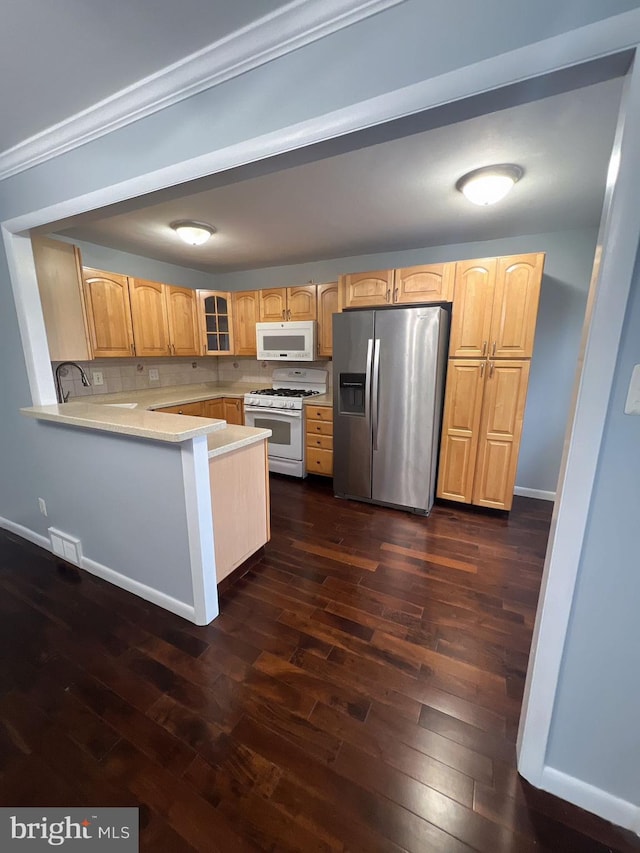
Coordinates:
column 233, row 438
column 107, row 413
column 139, row 421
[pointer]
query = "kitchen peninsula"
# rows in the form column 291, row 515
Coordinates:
column 205, row 481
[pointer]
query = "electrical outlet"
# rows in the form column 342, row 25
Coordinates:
column 42, row 505
column 153, row 374
column 98, row 378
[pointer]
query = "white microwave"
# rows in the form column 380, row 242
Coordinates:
column 292, row 340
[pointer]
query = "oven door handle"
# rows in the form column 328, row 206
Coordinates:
column 267, row 410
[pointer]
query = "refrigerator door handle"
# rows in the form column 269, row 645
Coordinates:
column 375, row 383
column 367, row 382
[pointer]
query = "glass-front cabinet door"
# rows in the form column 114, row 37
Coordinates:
column 216, row 322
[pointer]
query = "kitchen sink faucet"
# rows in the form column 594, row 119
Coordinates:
column 62, row 397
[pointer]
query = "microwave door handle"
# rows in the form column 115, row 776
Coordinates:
column 375, row 387
column 367, row 382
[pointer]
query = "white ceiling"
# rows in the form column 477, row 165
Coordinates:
column 395, row 195
column 59, row 57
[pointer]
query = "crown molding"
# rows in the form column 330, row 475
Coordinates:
column 295, row 25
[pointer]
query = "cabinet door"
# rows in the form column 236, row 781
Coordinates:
column 216, row 322
column 433, row 283
column 505, row 394
column 301, row 303
column 273, row 304
column 327, row 307
column 472, row 307
column 183, row 321
column 460, row 428
column 108, row 314
column 515, row 306
column 245, row 315
column 367, row 288
column 149, row 317
column 233, row 410
column 214, row 408
column 59, row 274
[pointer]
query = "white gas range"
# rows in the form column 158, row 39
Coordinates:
column 280, row 409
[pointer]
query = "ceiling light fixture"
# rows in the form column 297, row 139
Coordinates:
column 193, row 233
column 489, row 184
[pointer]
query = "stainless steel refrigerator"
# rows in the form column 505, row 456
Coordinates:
column 388, row 383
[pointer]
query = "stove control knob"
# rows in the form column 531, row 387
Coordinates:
column 291, row 405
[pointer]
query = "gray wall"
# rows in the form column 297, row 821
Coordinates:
column 569, row 258
column 131, row 516
column 595, row 733
column 125, row 263
column 285, row 91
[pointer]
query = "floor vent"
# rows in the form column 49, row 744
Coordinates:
column 66, row 546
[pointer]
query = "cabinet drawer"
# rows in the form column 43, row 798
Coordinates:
column 322, row 427
column 320, row 461
column 325, row 442
column 320, row 413
column 194, row 409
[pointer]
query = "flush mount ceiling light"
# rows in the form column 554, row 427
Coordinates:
column 490, row 184
column 193, row 233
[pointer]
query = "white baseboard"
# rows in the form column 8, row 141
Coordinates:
column 140, row 589
column 619, row 812
column 25, row 533
column 148, row 593
column 539, row 494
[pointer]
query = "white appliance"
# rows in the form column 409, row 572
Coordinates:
column 291, row 340
column 279, row 409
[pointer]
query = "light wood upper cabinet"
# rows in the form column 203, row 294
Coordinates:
column 164, row 319
column 149, row 318
column 216, row 322
column 288, row 303
column 495, row 307
column 327, row 295
column 301, row 302
column 472, row 308
column 183, row 320
column 505, row 394
column 59, row 273
column 367, row 289
column 461, row 428
column 515, row 306
column 273, row 304
column 108, row 314
column 433, row 283
column 245, row 316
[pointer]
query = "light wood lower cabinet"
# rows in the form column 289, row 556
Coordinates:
column 229, row 409
column 319, row 440
column 481, row 431
column 239, row 483
column 195, row 410
column 233, row 410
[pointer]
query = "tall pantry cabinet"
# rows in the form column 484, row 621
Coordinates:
column 492, row 331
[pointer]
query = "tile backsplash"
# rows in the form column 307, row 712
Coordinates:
column 250, row 370
column 129, row 374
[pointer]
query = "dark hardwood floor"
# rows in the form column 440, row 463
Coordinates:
column 360, row 690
